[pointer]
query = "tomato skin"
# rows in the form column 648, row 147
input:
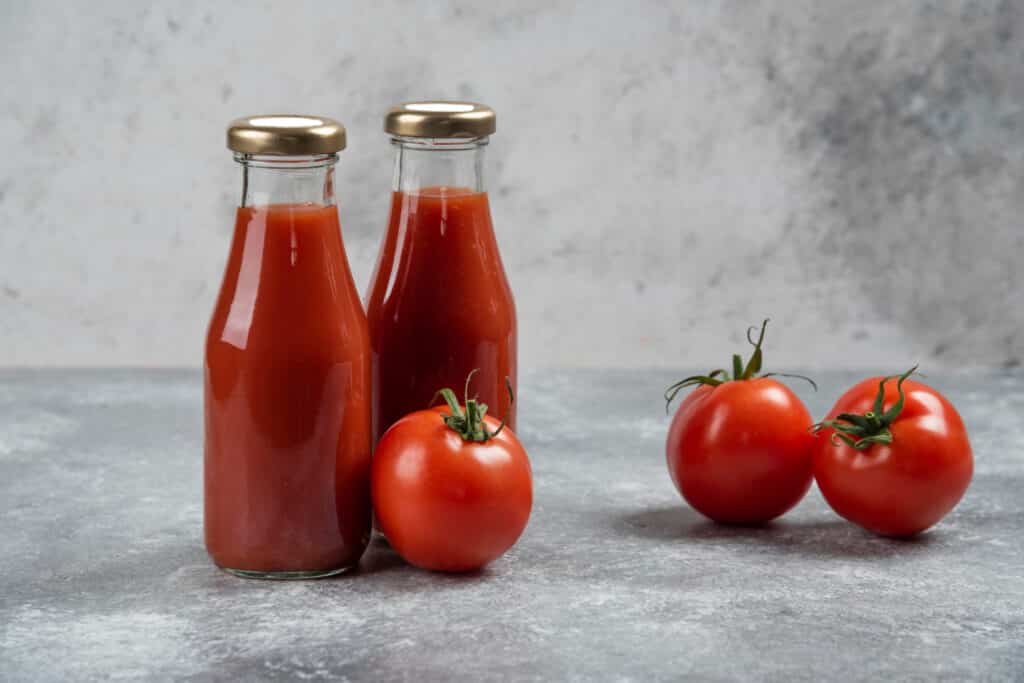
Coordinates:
column 902, row 488
column 446, row 504
column 740, row 452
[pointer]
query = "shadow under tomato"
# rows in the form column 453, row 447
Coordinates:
column 818, row 538
column 381, row 558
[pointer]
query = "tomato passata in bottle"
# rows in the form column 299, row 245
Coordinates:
column 439, row 305
column 287, row 372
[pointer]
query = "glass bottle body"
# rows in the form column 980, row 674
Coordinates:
column 439, row 304
column 287, row 384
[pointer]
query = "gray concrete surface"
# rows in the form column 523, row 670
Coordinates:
column 103, row 574
column 664, row 174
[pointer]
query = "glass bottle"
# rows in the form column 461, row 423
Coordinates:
column 439, row 305
column 287, row 371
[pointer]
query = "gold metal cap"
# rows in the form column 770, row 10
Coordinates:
column 286, row 134
column 440, row 119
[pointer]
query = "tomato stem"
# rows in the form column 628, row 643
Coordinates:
column 863, row 431
column 469, row 423
column 739, row 370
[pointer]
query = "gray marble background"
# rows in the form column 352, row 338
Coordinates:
column 664, row 174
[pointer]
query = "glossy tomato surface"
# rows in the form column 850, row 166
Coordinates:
column 740, row 452
column 905, row 487
column 446, row 504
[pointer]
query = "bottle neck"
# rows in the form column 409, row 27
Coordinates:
column 270, row 179
column 439, row 163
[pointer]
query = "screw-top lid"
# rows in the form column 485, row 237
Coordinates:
column 286, row 134
column 440, row 119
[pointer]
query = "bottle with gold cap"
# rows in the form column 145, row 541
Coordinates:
column 287, row 372
column 439, row 305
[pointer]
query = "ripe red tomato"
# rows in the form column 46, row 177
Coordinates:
column 445, row 502
column 738, row 449
column 913, row 465
column 740, row 452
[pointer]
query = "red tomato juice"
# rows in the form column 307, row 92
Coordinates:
column 440, row 306
column 287, row 382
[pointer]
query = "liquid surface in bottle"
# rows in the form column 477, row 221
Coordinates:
column 287, row 384
column 440, row 306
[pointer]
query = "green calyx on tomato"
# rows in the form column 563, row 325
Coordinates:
column 740, row 371
column 863, row 431
column 469, row 423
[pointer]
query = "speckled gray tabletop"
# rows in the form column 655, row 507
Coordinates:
column 103, row 573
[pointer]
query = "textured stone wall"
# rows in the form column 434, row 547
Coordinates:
column 664, row 174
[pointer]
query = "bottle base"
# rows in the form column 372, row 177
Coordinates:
column 286, row 576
